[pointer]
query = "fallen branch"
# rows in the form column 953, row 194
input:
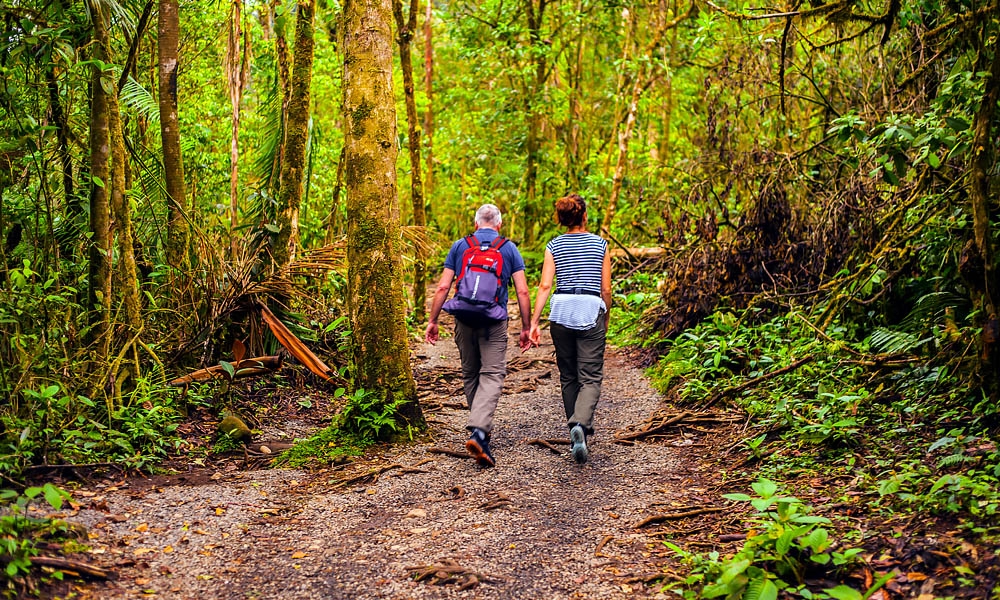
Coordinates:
column 70, row 566
column 244, row 368
column 747, row 384
column 659, row 423
column 681, row 515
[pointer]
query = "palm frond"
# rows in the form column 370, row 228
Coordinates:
column 266, row 167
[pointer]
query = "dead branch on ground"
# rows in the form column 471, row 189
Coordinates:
column 681, row 515
column 661, row 421
column 752, row 382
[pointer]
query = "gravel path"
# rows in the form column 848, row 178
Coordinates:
column 529, row 529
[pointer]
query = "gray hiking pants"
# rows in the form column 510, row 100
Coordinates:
column 483, row 351
column 580, row 358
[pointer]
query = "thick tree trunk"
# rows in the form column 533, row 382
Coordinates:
column 375, row 271
column 293, row 167
column 99, row 292
column 404, row 31
column 168, row 28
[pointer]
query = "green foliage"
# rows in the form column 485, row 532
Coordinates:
column 20, row 532
column 367, row 415
column 328, row 445
column 786, row 543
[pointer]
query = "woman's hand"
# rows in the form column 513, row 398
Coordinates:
column 535, row 335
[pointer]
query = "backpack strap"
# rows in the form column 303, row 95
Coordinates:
column 498, row 241
column 472, row 241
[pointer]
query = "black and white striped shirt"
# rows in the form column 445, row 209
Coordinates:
column 579, row 259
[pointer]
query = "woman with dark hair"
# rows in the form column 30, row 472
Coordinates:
column 579, row 263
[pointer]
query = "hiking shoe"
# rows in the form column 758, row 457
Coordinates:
column 478, row 446
column 579, row 441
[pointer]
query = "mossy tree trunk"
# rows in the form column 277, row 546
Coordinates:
column 983, row 210
column 293, row 166
column 99, row 291
column 168, row 31
column 126, row 275
column 429, row 92
column 404, row 36
column 375, row 269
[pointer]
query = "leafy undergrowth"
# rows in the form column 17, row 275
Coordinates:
column 876, row 463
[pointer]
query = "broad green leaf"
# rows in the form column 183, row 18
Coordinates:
column 842, row 592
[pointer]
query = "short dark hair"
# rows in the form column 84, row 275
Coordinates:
column 570, row 210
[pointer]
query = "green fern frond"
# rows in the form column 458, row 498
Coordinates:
column 890, row 341
column 265, row 167
column 140, row 100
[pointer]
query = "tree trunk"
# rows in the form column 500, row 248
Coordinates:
column 375, row 271
column 332, row 223
column 127, row 274
column 168, row 29
column 293, row 167
column 99, row 292
column 284, row 86
column 535, row 16
column 73, row 207
column 979, row 196
column 404, row 30
column 429, row 92
column 237, row 70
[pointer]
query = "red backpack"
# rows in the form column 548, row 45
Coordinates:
column 477, row 289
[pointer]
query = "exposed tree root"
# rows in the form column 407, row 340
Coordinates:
column 681, row 515
column 455, row 453
column 601, row 544
column 374, row 474
column 502, row 500
column 660, row 422
column 448, row 571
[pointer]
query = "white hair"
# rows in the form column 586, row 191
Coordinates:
column 488, row 215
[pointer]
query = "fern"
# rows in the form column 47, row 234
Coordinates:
column 890, row 341
column 140, row 100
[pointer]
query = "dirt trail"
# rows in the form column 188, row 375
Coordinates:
column 528, row 529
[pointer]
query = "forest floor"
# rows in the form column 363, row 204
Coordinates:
column 408, row 521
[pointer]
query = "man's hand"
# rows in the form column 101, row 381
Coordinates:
column 431, row 335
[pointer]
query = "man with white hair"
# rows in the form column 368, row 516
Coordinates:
column 482, row 338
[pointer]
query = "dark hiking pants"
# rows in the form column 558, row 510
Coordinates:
column 580, row 358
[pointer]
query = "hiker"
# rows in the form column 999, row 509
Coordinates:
column 578, row 314
column 480, row 310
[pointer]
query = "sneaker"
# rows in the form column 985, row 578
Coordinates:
column 579, row 441
column 479, row 447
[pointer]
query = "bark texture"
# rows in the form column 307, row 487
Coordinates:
column 375, row 272
column 126, row 274
column 293, row 167
column 168, row 28
column 99, row 292
column 404, row 36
